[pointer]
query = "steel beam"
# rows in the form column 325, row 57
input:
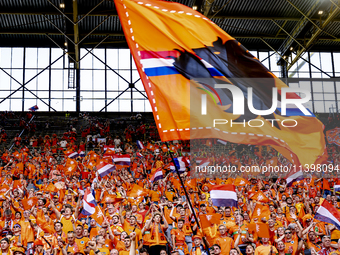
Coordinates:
column 314, row 37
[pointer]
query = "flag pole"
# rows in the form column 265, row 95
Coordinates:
column 187, row 196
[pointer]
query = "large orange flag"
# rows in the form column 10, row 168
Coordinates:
column 137, row 191
column 209, row 219
column 173, row 46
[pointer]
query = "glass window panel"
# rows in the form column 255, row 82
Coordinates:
column 138, row 106
column 135, row 75
column 137, row 95
column 5, row 105
column 328, row 86
column 113, row 107
column 254, row 53
column 303, row 66
column 31, row 60
column 43, row 57
column 86, row 105
column 5, row 81
column 326, row 62
column 56, row 95
column 315, row 59
column 86, row 80
column 317, row 86
column 318, row 96
column 139, row 85
column 124, row 59
column 319, row 106
column 99, row 80
column 17, row 57
column 336, row 57
column 16, row 74
column 98, row 95
column 57, row 104
column 263, row 55
column 86, row 62
column 329, row 96
column 56, row 53
column 43, row 107
column 133, row 64
column 98, row 105
column 330, row 106
column 99, row 53
column 126, row 76
column 69, row 105
column 57, row 79
column 316, row 73
column 294, row 85
column 337, row 84
column 147, row 106
column 112, row 80
column 43, row 80
column 112, row 58
column 69, row 94
column 124, row 106
column 304, row 75
column 43, row 95
column 305, row 85
column 16, row 104
column 86, row 95
column 29, row 74
column 5, row 57
column 273, row 62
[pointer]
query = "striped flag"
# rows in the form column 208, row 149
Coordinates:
column 122, row 160
column 223, row 195
column 81, row 153
column 181, row 165
column 140, row 145
column 336, row 188
column 293, row 177
column 139, row 155
column 105, row 168
column 89, row 203
column 328, row 213
column 109, row 149
column 158, row 175
column 71, row 154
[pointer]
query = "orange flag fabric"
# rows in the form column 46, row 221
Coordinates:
column 137, row 191
column 260, row 197
column 209, row 219
column 98, row 216
column 167, row 38
column 261, row 211
column 261, row 229
column 28, row 203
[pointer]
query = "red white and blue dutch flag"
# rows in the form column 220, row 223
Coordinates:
column 122, row 160
column 158, row 175
column 73, row 154
column 294, row 176
column 81, row 153
column 328, row 213
column 105, row 168
column 223, row 195
column 89, row 202
column 139, row 155
column 140, row 145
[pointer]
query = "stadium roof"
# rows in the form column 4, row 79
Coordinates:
column 282, row 25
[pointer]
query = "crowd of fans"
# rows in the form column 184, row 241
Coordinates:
column 45, row 196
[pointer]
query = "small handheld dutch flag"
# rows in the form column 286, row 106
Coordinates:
column 140, row 145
